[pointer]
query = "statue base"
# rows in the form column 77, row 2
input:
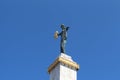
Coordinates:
column 65, row 56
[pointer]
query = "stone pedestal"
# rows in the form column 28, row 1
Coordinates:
column 63, row 68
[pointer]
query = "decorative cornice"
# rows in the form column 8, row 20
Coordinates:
column 64, row 61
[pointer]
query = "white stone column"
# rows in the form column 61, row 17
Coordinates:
column 63, row 68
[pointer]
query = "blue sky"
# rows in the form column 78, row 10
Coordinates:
column 27, row 46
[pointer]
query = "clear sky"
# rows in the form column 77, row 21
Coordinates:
column 27, row 46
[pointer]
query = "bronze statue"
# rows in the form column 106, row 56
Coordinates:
column 63, row 35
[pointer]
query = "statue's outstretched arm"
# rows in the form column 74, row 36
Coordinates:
column 59, row 34
column 67, row 28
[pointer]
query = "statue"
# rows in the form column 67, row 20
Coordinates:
column 63, row 35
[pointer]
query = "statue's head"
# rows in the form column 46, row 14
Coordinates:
column 62, row 26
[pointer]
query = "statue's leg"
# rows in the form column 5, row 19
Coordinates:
column 62, row 46
column 64, row 42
